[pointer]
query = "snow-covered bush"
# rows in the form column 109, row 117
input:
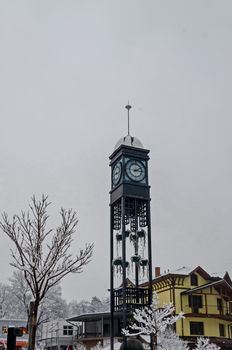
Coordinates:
column 168, row 340
column 81, row 346
column 158, row 321
column 153, row 319
column 98, row 346
column 204, row 344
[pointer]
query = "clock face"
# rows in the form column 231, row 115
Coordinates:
column 135, row 170
column 116, row 174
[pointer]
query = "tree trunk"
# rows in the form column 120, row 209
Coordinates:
column 153, row 342
column 32, row 324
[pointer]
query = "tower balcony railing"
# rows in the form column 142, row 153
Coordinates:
column 135, row 298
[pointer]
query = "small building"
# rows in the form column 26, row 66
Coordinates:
column 95, row 328
column 58, row 335
column 205, row 300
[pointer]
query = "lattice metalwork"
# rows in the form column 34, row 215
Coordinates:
column 130, row 213
column 143, row 214
column 127, row 219
column 135, row 209
column 117, row 213
column 130, row 206
column 136, row 298
column 135, row 214
column 133, row 223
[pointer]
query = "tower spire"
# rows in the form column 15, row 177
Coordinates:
column 128, row 107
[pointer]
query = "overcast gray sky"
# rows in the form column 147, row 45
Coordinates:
column 67, row 69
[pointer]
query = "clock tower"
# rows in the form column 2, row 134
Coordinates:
column 130, row 229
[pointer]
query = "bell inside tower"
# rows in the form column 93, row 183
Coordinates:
column 135, row 240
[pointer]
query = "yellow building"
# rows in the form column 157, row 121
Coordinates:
column 205, row 300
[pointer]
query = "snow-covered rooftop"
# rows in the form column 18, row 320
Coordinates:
column 184, row 270
column 116, row 346
column 220, row 274
column 129, row 141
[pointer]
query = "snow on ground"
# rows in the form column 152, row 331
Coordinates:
column 116, row 346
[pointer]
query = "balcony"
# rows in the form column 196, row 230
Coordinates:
column 213, row 311
column 91, row 335
column 136, row 298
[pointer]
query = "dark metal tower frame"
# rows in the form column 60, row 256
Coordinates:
column 129, row 208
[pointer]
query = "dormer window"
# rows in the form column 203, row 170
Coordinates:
column 194, row 279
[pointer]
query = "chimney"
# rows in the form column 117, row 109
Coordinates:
column 157, row 271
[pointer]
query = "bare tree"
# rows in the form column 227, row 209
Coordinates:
column 21, row 292
column 41, row 254
column 52, row 305
column 3, row 299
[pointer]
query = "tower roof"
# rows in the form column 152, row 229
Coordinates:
column 129, row 140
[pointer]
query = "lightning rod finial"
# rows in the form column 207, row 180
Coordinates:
column 128, row 107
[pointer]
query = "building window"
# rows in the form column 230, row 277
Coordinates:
column 230, row 307
column 219, row 305
column 106, row 330
column 195, row 302
column 196, row 328
column 67, row 330
column 194, row 279
column 221, row 330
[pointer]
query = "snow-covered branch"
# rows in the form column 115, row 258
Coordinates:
column 204, row 344
column 153, row 320
column 157, row 320
column 41, row 254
